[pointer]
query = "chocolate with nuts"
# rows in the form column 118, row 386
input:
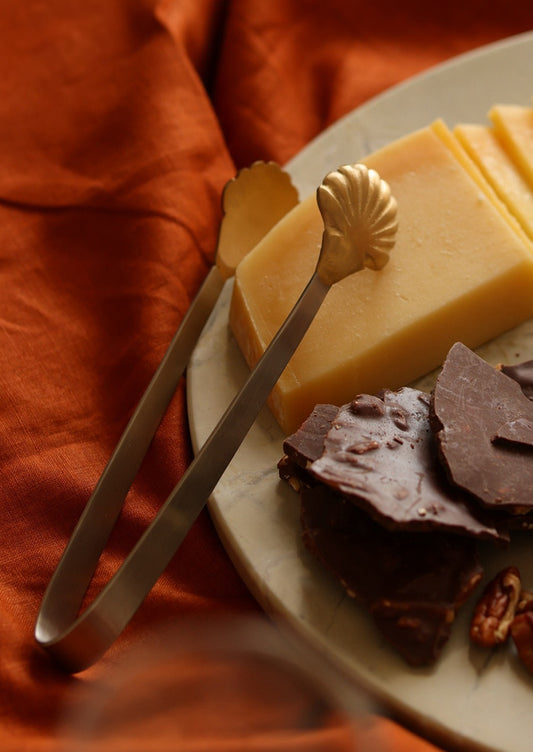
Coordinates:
column 411, row 584
column 305, row 446
column 382, row 506
column 380, row 453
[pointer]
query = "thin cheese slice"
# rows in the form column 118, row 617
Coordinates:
column 461, row 269
column 491, row 157
column 513, row 125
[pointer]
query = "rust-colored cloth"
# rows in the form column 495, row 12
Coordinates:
column 121, row 120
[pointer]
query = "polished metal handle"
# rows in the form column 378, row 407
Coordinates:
column 347, row 246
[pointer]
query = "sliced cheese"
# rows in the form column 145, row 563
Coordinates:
column 461, row 269
column 513, row 125
column 491, row 157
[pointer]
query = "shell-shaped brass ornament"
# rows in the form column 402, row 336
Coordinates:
column 360, row 222
column 252, row 202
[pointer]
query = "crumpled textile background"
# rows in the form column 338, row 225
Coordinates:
column 120, row 122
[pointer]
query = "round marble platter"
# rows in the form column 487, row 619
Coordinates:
column 471, row 699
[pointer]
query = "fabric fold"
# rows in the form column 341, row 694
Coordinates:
column 121, row 121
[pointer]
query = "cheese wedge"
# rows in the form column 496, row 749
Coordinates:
column 461, row 269
column 489, row 154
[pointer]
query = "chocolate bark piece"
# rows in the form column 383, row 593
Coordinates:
column 472, row 402
column 380, row 453
column 521, row 373
column 305, row 445
column 517, row 431
column 411, row 584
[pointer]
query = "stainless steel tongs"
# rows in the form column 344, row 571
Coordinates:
column 359, row 217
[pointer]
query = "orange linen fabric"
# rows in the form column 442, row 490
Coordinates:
column 120, row 122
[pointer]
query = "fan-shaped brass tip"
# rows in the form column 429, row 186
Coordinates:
column 360, row 222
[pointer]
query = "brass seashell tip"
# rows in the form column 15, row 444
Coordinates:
column 360, row 222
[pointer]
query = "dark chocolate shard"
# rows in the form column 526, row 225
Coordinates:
column 471, row 402
column 380, row 453
column 518, row 431
column 522, row 373
column 411, row 584
column 305, row 445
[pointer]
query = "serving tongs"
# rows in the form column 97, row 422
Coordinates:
column 359, row 216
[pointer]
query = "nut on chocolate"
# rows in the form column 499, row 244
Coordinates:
column 380, row 454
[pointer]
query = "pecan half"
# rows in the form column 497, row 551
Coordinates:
column 496, row 609
column 522, row 634
column 525, row 602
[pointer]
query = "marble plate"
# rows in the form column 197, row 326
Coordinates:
column 470, row 700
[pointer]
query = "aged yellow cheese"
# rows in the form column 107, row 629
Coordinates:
column 491, row 157
column 461, row 269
